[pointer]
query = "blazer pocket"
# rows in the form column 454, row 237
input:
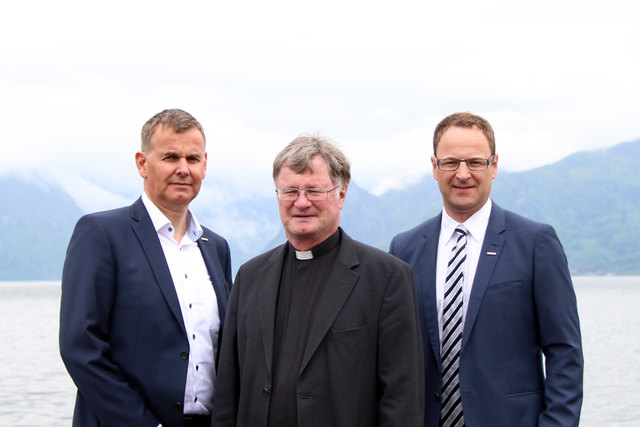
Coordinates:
column 346, row 360
column 495, row 286
column 524, row 408
column 525, row 394
column 355, row 333
column 348, row 344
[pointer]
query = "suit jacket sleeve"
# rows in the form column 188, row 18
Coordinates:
column 559, row 332
column 400, row 361
column 227, row 389
column 88, row 290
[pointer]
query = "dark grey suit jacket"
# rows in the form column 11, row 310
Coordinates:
column 363, row 361
column 522, row 306
column 122, row 337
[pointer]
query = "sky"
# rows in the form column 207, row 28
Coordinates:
column 78, row 79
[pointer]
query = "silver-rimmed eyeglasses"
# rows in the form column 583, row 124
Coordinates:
column 313, row 194
column 475, row 164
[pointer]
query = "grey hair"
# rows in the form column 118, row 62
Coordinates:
column 179, row 120
column 298, row 154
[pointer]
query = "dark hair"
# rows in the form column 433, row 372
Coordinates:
column 464, row 120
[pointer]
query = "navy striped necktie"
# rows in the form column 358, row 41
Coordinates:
column 451, row 406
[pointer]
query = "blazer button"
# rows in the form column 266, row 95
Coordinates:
column 178, row 405
column 184, row 355
column 436, row 396
column 266, row 391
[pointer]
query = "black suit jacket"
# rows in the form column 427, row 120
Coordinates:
column 362, row 365
column 122, row 337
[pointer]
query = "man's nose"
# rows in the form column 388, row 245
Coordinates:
column 182, row 167
column 302, row 200
column 463, row 171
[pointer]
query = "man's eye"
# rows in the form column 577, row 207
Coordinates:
column 314, row 192
column 476, row 163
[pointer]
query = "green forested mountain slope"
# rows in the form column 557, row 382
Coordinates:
column 591, row 198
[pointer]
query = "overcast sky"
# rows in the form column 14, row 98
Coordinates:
column 79, row 78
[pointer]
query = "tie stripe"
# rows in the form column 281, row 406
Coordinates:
column 451, row 406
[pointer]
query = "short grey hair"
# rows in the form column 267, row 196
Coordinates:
column 179, row 120
column 298, row 154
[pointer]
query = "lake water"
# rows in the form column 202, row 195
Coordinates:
column 35, row 389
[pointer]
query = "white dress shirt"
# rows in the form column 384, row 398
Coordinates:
column 198, row 304
column 476, row 227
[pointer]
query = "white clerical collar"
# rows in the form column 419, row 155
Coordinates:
column 304, row 255
column 320, row 249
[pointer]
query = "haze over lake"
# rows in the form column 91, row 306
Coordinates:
column 35, row 389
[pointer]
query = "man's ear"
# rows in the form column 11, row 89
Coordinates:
column 435, row 167
column 141, row 163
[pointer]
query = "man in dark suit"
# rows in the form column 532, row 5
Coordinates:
column 323, row 330
column 144, row 293
column 495, row 296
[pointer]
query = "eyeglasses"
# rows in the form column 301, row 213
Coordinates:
column 313, row 194
column 476, row 164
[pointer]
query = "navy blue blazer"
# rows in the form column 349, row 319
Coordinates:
column 122, row 337
column 522, row 306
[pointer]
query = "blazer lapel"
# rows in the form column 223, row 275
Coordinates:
column 210, row 257
column 489, row 255
column 269, row 278
column 427, row 274
column 148, row 238
column 337, row 289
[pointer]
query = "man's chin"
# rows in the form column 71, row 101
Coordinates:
column 181, row 199
column 301, row 229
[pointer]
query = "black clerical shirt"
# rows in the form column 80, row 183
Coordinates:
column 304, row 275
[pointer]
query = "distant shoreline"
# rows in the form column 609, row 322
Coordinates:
column 579, row 278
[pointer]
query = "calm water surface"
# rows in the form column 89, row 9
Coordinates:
column 35, row 389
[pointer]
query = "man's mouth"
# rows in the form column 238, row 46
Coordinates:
column 463, row 187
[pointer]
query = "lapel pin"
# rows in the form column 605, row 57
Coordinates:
column 492, row 253
column 206, row 240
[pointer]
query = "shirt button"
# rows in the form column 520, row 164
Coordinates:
column 170, row 229
column 186, row 276
column 184, row 355
column 194, row 336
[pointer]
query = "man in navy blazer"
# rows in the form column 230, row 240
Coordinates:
column 144, row 293
column 520, row 362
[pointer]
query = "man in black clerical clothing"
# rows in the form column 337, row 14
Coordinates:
column 323, row 330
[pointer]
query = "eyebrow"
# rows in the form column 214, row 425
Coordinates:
column 176, row 153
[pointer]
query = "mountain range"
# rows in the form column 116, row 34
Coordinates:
column 591, row 198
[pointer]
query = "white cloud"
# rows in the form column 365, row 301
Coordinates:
column 78, row 80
